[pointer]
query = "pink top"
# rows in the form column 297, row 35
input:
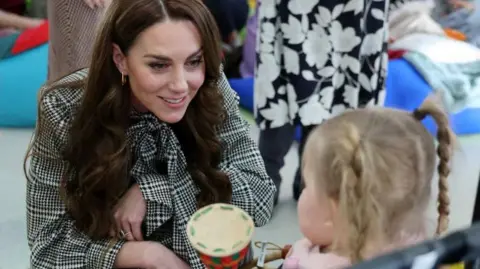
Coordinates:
column 305, row 255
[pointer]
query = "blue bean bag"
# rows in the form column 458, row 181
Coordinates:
column 244, row 89
column 21, row 77
column 406, row 89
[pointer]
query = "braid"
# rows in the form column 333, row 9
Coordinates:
column 444, row 137
column 356, row 201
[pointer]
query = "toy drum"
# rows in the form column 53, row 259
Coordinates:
column 221, row 233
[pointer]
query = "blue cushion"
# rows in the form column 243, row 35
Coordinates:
column 406, row 89
column 21, row 77
column 244, row 89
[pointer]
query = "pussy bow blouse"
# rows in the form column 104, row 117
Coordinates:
column 170, row 195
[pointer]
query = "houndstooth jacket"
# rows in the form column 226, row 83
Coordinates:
column 170, row 196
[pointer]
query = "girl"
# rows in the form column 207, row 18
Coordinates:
column 368, row 174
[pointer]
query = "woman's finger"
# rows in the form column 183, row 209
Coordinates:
column 119, row 231
column 126, row 231
column 137, row 230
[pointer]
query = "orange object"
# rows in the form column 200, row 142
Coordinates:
column 457, row 35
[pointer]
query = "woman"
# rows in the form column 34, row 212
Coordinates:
column 72, row 32
column 153, row 129
column 315, row 59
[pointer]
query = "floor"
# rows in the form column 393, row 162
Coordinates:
column 283, row 228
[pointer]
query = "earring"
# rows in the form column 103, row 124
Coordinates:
column 124, row 79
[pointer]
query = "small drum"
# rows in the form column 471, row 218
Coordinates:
column 221, row 233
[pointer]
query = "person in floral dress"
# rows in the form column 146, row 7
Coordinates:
column 315, row 59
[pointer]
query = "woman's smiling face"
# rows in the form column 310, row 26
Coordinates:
column 165, row 68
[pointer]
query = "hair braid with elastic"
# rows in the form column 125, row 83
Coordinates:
column 357, row 201
column 444, row 137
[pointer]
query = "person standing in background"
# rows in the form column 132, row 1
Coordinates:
column 315, row 59
column 72, row 32
column 231, row 16
column 247, row 65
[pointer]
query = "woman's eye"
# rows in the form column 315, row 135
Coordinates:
column 158, row 66
column 195, row 63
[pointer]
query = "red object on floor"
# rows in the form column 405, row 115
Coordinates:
column 31, row 38
column 395, row 54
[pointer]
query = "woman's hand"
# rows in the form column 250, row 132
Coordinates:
column 97, row 3
column 158, row 256
column 129, row 215
column 147, row 255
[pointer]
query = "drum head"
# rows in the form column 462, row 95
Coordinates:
column 220, row 230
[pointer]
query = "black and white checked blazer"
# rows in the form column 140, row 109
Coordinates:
column 52, row 237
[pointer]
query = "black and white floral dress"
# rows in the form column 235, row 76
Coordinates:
column 317, row 58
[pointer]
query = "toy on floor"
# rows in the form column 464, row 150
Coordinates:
column 222, row 235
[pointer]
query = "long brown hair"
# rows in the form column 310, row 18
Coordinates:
column 378, row 164
column 98, row 150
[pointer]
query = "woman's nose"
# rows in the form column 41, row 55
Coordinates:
column 179, row 81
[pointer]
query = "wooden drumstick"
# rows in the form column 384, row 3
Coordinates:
column 278, row 254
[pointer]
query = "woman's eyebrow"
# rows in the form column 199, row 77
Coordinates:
column 166, row 58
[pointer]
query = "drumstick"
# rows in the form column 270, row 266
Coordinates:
column 272, row 256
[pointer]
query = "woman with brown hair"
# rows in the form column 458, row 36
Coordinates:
column 151, row 129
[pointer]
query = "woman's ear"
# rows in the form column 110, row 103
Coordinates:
column 119, row 59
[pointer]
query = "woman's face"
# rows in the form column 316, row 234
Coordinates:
column 165, row 68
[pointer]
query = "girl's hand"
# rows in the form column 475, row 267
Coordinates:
column 299, row 251
column 97, row 3
column 129, row 215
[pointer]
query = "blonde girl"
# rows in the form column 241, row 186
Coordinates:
column 368, row 175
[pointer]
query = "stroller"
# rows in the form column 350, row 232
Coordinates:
column 461, row 246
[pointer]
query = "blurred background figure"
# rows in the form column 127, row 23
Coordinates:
column 315, row 59
column 72, row 33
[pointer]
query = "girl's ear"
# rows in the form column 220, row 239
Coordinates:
column 333, row 206
column 119, row 59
